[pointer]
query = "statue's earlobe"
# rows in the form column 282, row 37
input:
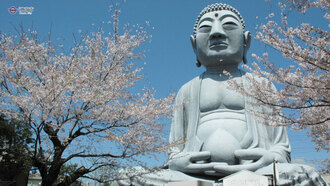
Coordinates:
column 247, row 43
column 193, row 42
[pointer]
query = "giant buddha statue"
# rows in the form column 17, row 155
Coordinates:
column 221, row 137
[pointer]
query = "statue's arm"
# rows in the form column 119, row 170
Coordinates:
column 280, row 141
column 277, row 137
column 177, row 133
column 187, row 162
column 280, row 144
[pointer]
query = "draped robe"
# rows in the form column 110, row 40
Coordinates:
column 184, row 127
column 186, row 120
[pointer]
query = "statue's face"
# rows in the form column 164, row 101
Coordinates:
column 219, row 39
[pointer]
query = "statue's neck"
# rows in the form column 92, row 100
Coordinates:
column 222, row 69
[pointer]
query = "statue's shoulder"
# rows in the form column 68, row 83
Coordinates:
column 250, row 79
column 194, row 83
column 249, row 75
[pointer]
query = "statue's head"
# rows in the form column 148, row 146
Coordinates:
column 219, row 36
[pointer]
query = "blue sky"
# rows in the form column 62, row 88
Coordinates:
column 170, row 61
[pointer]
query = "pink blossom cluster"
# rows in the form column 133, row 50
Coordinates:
column 303, row 98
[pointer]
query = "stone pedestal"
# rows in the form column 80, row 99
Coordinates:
column 242, row 178
column 245, row 178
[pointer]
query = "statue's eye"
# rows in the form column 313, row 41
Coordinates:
column 204, row 28
column 230, row 25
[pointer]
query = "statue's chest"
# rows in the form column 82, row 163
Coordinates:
column 215, row 94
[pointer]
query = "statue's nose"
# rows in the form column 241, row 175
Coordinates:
column 217, row 31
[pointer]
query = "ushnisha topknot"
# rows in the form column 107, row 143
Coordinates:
column 217, row 7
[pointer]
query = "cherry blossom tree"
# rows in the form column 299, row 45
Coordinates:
column 303, row 96
column 83, row 106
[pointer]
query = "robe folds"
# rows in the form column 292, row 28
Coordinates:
column 184, row 128
column 186, row 120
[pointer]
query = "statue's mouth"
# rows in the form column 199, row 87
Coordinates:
column 216, row 44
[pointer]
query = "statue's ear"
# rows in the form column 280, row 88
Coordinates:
column 247, row 43
column 193, row 42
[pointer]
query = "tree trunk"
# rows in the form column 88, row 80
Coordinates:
column 22, row 179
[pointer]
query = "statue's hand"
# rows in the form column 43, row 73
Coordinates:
column 192, row 162
column 260, row 157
